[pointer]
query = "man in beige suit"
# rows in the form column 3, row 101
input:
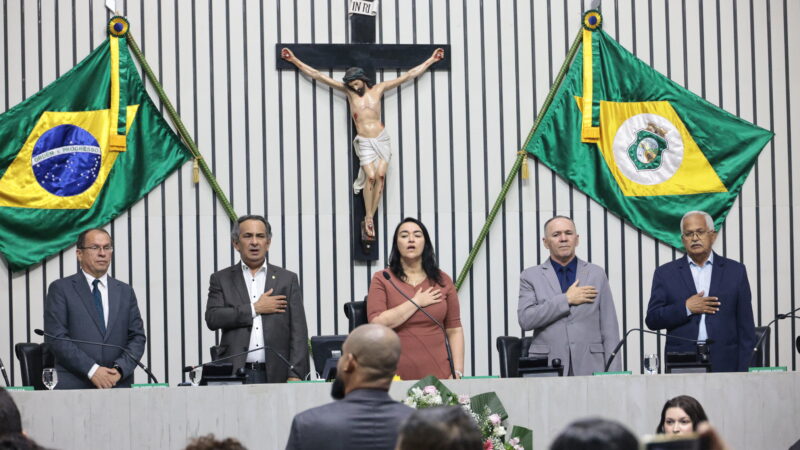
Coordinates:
column 568, row 304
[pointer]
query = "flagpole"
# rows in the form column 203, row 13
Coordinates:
column 517, row 163
column 182, row 129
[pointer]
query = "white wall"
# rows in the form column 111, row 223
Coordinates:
column 279, row 146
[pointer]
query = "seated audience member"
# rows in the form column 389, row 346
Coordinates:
column 10, row 421
column 367, row 418
column 595, row 434
column 415, row 273
column 681, row 415
column 440, row 428
column 209, row 442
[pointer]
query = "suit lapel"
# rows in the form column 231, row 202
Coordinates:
column 237, row 280
column 113, row 303
column 272, row 278
column 717, row 273
column 550, row 275
column 686, row 275
column 85, row 294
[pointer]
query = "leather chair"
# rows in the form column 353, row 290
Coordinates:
column 761, row 355
column 322, row 348
column 33, row 358
column 214, row 350
column 356, row 313
column 511, row 348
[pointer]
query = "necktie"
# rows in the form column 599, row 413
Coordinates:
column 98, row 304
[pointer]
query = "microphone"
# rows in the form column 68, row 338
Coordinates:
column 622, row 342
column 797, row 343
column 266, row 347
column 763, row 336
column 150, row 376
column 5, row 375
column 438, row 324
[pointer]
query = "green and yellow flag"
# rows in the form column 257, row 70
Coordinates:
column 80, row 152
column 641, row 145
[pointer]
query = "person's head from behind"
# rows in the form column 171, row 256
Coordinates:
column 369, row 358
column 681, row 415
column 595, row 434
column 10, row 421
column 440, row 428
column 209, row 442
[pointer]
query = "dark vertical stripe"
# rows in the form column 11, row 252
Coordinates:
column 738, row 109
column 182, row 268
column 756, row 169
column 280, row 143
column 246, row 90
column 772, row 184
column 720, row 99
column 299, row 175
column 451, row 150
column 334, row 258
column 199, row 249
column 789, row 177
column 213, row 120
column 146, row 245
column 416, row 117
column 164, row 266
column 435, row 147
column 550, row 83
column 467, row 127
column 488, row 247
column 316, row 196
column 501, row 151
column 401, row 165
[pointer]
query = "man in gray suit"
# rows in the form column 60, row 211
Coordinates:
column 256, row 304
column 367, row 418
column 568, row 304
column 92, row 306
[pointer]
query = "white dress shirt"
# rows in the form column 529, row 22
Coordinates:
column 255, row 287
column 702, row 282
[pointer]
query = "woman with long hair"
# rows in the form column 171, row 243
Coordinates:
column 681, row 415
column 414, row 271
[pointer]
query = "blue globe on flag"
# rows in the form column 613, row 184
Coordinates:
column 66, row 160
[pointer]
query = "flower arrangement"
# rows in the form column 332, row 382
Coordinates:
column 486, row 409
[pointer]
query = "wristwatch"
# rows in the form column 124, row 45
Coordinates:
column 119, row 369
column 458, row 372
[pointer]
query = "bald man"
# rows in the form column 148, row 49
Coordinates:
column 367, row 418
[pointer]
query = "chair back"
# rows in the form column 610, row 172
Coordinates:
column 356, row 313
column 33, row 358
column 509, row 349
column 322, row 348
column 761, row 355
column 214, row 350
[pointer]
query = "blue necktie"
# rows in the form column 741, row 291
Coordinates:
column 98, row 303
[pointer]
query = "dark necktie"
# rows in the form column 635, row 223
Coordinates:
column 562, row 278
column 98, row 303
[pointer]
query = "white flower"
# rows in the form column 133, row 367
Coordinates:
column 499, row 431
column 431, row 390
column 463, row 399
column 495, row 419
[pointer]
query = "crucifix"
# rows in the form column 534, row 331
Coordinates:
column 361, row 58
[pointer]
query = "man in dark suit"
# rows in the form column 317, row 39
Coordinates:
column 92, row 306
column 256, row 304
column 704, row 296
column 367, row 418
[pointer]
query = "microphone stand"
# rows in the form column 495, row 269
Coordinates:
column 763, row 336
column 150, row 376
column 624, row 338
column 441, row 327
column 5, row 375
column 266, row 347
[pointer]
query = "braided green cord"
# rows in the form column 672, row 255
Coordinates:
column 182, row 129
column 517, row 164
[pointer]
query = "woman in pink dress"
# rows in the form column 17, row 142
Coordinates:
column 413, row 271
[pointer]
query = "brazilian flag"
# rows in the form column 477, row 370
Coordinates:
column 640, row 144
column 80, row 152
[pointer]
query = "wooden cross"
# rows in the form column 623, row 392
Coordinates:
column 365, row 53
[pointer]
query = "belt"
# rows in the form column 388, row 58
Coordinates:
column 255, row 366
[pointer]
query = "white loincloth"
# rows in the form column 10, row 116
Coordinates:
column 368, row 150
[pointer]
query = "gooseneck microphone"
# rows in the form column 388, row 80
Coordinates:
column 266, row 347
column 624, row 338
column 764, row 335
column 438, row 324
column 5, row 375
column 150, row 376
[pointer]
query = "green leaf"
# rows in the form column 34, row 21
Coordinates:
column 448, row 397
column 525, row 436
column 488, row 400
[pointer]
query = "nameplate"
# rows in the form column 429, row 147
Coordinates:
column 306, row 381
column 479, row 377
column 150, row 385
column 767, row 369
column 621, row 372
column 363, row 7
column 19, row 388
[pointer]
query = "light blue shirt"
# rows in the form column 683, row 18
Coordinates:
column 702, row 282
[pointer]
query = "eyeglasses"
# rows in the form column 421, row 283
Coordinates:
column 699, row 233
column 96, row 248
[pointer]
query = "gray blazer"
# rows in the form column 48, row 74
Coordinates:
column 69, row 312
column 228, row 309
column 588, row 332
column 365, row 419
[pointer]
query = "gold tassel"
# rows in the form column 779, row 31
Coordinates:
column 524, row 164
column 196, row 171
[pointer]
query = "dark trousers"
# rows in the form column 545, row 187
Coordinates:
column 255, row 373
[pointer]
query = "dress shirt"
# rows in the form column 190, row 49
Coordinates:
column 102, row 286
column 566, row 274
column 702, row 282
column 255, row 287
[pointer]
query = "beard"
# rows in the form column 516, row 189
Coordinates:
column 360, row 91
column 337, row 388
